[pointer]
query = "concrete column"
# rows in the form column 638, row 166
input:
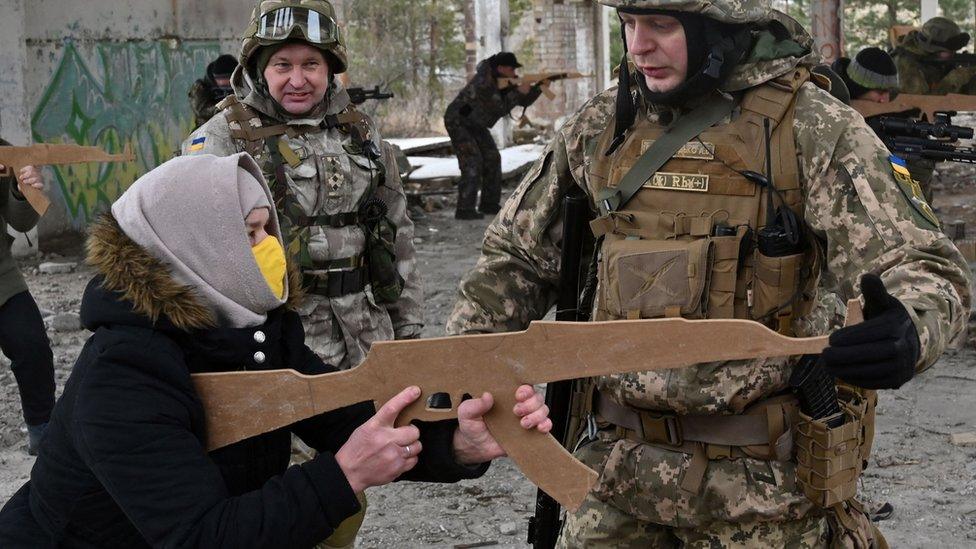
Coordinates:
column 930, row 9
column 14, row 108
column 826, row 20
column 604, row 15
column 491, row 18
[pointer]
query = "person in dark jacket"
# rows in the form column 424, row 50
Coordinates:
column 22, row 336
column 190, row 281
column 478, row 107
column 206, row 92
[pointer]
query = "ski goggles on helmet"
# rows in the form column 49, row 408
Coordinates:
column 281, row 23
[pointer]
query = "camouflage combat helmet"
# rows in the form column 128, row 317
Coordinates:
column 942, row 34
column 313, row 21
column 725, row 11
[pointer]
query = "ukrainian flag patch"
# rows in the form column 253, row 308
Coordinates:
column 910, row 189
column 197, row 144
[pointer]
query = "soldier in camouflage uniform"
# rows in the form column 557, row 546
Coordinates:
column 924, row 60
column 478, row 107
column 328, row 166
column 669, row 475
column 206, row 92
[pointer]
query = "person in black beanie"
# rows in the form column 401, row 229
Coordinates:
column 872, row 75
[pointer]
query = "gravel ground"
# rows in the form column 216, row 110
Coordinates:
column 929, row 481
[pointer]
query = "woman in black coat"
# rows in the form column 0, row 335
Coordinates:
column 182, row 288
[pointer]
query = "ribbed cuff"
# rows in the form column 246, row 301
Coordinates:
column 336, row 497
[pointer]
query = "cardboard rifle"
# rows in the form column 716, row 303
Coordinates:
column 244, row 404
column 542, row 79
column 925, row 104
column 15, row 158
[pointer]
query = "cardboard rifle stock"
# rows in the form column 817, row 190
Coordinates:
column 925, row 104
column 244, row 404
column 15, row 158
column 542, row 79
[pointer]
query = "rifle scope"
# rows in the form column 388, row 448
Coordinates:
column 940, row 128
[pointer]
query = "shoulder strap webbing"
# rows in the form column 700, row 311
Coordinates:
column 685, row 128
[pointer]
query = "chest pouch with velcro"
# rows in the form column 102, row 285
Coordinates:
column 656, row 278
column 385, row 279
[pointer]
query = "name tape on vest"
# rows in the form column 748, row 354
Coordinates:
column 692, row 150
column 678, row 182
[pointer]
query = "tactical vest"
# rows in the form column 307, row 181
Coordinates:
column 338, row 277
column 684, row 245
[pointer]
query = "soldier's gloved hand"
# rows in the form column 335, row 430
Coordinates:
column 881, row 352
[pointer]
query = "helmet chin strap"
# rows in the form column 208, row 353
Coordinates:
column 626, row 109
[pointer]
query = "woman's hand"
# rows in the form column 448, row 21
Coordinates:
column 472, row 441
column 377, row 452
column 29, row 176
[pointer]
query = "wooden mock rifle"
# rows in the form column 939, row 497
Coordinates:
column 239, row 405
column 542, row 79
column 15, row 158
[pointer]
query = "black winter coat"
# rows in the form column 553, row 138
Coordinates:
column 124, row 464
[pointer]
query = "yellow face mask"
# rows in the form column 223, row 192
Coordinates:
column 271, row 260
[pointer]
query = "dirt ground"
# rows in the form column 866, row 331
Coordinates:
column 930, row 482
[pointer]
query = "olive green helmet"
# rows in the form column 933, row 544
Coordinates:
column 312, row 21
column 942, row 34
column 725, row 11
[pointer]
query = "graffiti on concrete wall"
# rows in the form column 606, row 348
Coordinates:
column 128, row 93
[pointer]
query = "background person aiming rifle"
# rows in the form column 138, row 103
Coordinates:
column 927, row 60
column 478, row 107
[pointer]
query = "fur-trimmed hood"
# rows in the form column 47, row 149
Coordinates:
column 144, row 281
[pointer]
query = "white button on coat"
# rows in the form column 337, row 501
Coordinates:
column 259, row 357
column 259, row 336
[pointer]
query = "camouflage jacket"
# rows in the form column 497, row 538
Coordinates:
column 919, row 73
column 481, row 103
column 332, row 177
column 852, row 205
column 202, row 102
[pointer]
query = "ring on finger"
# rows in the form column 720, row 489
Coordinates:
column 407, row 451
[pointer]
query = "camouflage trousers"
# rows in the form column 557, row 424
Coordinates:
column 637, row 503
column 341, row 330
column 481, row 167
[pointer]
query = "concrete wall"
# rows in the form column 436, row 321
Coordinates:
column 566, row 35
column 108, row 74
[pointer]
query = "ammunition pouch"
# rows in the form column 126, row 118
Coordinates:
column 384, row 277
column 776, row 285
column 763, row 432
column 829, row 459
column 829, row 463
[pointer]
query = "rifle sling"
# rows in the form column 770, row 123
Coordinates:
column 684, row 129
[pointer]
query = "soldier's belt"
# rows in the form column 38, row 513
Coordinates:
column 336, row 221
column 675, row 430
column 337, row 277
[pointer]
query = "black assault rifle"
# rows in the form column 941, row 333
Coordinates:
column 358, row 96
column 934, row 140
column 545, row 525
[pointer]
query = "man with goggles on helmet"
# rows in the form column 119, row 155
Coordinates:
column 335, row 181
column 724, row 182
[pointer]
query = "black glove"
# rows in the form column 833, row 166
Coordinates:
column 881, row 352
